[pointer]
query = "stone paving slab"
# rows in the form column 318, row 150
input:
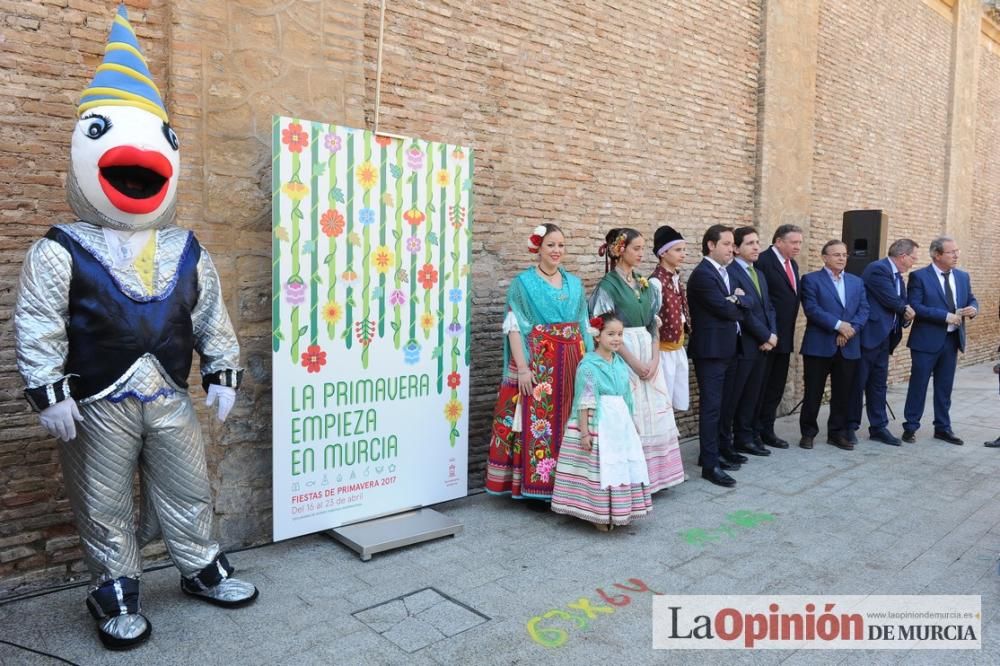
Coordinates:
column 923, row 518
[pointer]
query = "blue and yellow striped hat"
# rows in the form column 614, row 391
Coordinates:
column 123, row 79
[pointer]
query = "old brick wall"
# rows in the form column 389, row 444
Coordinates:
column 981, row 257
column 586, row 115
column 882, row 91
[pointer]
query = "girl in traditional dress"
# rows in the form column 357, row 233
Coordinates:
column 601, row 475
column 622, row 292
column 671, row 251
column 543, row 343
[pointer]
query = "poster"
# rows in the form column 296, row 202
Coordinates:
column 370, row 323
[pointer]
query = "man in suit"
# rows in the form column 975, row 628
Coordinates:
column 716, row 312
column 942, row 297
column 758, row 335
column 781, row 273
column 888, row 315
column 836, row 312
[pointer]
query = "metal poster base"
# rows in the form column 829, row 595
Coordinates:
column 402, row 529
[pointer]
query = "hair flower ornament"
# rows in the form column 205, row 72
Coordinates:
column 535, row 240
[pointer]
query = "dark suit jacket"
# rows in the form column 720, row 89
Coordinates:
column 758, row 322
column 823, row 309
column 713, row 327
column 886, row 307
column 784, row 298
column 926, row 297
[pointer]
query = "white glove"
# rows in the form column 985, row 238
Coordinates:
column 226, row 396
column 58, row 419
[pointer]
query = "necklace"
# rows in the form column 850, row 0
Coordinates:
column 626, row 276
column 544, row 272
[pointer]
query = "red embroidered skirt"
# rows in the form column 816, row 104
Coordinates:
column 524, row 463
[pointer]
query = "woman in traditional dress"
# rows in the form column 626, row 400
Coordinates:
column 601, row 475
column 543, row 343
column 632, row 300
column 670, row 250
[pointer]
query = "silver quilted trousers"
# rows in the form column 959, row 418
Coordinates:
column 162, row 439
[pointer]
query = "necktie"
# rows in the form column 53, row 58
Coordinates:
column 725, row 278
column 899, row 284
column 790, row 274
column 949, row 296
column 753, row 277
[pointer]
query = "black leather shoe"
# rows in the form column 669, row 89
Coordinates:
column 806, row 442
column 909, row 436
column 752, row 449
column 884, row 436
column 840, row 442
column 718, row 477
column 995, row 444
column 851, row 436
column 733, row 457
column 948, row 436
column 773, row 440
column 728, row 466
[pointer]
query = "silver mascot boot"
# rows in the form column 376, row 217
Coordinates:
column 110, row 309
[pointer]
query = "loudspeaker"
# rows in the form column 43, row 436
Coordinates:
column 866, row 235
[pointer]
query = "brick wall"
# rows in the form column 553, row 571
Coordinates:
column 882, row 90
column 981, row 257
column 586, row 115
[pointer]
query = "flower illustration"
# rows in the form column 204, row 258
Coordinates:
column 313, row 359
column 367, row 175
column 388, row 200
column 464, row 270
column 295, row 191
column 541, row 389
column 353, row 238
column 414, row 217
column 453, row 410
column 540, row 428
column 349, row 277
column 332, row 312
column 366, row 216
column 382, row 259
column 427, row 276
column 295, row 291
column 454, row 329
column 455, row 295
column 402, row 275
column 442, row 178
column 281, row 233
column 295, row 137
column 414, row 158
column 332, row 142
column 413, row 244
column 411, row 352
column 454, row 380
column 544, row 468
column 332, row 223
column 540, row 452
column 397, row 297
column 427, row 321
column 458, row 154
column 383, row 140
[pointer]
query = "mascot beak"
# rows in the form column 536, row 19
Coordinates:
column 134, row 180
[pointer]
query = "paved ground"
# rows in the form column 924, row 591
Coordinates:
column 921, row 519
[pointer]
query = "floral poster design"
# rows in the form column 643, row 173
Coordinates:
column 370, row 323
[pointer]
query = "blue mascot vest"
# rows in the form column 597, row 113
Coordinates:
column 109, row 331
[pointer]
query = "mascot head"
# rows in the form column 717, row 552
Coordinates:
column 124, row 156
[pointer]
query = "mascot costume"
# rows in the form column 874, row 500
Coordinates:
column 109, row 311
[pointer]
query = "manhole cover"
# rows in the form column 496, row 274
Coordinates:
column 417, row 619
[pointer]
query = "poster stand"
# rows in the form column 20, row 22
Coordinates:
column 396, row 531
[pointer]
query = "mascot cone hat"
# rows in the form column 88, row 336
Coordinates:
column 110, row 310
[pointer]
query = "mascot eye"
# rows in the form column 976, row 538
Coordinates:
column 171, row 137
column 96, row 126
